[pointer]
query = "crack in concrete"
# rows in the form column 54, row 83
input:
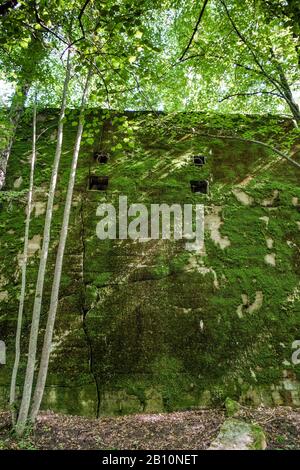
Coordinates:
column 85, row 311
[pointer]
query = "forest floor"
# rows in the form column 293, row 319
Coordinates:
column 188, row 430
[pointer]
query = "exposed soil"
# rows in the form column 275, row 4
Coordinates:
column 189, row 430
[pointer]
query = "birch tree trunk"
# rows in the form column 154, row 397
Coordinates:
column 29, row 376
column 12, row 397
column 43, row 369
column 15, row 114
column 28, row 72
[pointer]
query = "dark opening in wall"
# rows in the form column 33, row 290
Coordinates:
column 200, row 186
column 101, row 157
column 98, row 183
column 199, row 160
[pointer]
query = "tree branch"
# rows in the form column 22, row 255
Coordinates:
column 237, row 64
column 195, row 29
column 286, row 87
column 227, row 97
column 81, row 13
column 244, row 40
column 257, row 142
column 88, row 61
column 42, row 24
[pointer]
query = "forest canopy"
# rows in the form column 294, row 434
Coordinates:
column 212, row 55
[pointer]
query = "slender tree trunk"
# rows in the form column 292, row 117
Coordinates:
column 29, row 376
column 294, row 107
column 15, row 114
column 12, row 397
column 33, row 55
column 285, row 89
column 42, row 375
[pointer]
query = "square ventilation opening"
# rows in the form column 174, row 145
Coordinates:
column 98, row 183
column 199, row 160
column 200, row 186
column 101, row 157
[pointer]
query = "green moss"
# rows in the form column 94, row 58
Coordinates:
column 174, row 384
column 260, row 439
column 232, row 407
column 179, row 262
column 161, row 324
column 159, row 272
column 102, row 279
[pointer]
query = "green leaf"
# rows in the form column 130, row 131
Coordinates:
column 132, row 59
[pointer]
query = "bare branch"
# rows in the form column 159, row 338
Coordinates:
column 103, row 81
column 195, row 29
column 81, row 13
column 42, row 24
column 254, row 93
column 257, row 142
column 215, row 56
column 250, row 48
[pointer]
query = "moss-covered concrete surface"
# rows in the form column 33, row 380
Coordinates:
column 149, row 326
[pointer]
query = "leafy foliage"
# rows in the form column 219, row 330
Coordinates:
column 224, row 55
